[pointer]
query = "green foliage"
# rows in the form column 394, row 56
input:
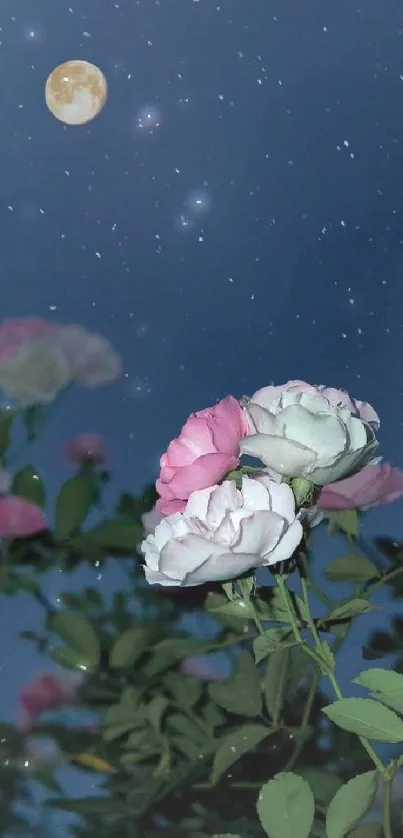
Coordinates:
column 286, row 807
column 241, row 693
column 28, row 484
column 350, row 803
column 74, row 501
column 79, row 636
column 366, row 717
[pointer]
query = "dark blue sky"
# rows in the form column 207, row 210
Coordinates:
column 286, row 120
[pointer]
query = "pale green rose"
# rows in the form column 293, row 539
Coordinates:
column 305, row 434
column 36, row 373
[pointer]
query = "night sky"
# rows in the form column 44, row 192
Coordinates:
column 234, row 217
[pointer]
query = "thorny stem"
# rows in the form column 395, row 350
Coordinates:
column 320, row 656
column 386, row 807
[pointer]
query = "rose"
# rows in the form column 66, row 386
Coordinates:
column 374, row 485
column 47, row 692
column 86, row 447
column 19, row 518
column 39, row 359
column 314, row 432
column 206, row 449
column 222, row 533
column 150, row 520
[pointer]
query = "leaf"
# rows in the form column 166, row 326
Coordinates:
column 240, row 693
column 385, row 685
column 73, row 503
column 185, row 689
column 94, row 805
column 128, row 647
column 367, row 830
column 286, row 807
column 116, row 535
column 353, row 568
column 350, row 803
column 366, row 717
column 28, row 484
column 6, row 421
column 275, row 683
column 274, row 639
column 349, row 609
column 79, row 635
column 155, row 711
column 345, row 520
column 323, row 784
column 233, row 746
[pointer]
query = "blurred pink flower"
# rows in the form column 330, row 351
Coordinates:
column 86, row 447
column 205, row 450
column 19, row 518
column 46, row 692
column 374, row 485
column 198, row 668
column 92, row 357
column 39, row 359
column 17, row 331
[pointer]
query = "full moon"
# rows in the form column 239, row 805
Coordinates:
column 75, row 92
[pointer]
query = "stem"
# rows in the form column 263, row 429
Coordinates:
column 383, row 581
column 304, row 723
column 289, row 607
column 321, row 657
column 386, row 808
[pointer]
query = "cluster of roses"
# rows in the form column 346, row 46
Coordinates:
column 219, row 518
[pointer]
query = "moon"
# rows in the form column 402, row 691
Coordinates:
column 75, row 92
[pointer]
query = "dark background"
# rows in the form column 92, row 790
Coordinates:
column 234, row 217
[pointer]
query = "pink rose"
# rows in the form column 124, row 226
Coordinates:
column 207, row 448
column 46, row 692
column 376, row 484
column 86, row 447
column 199, row 668
column 337, row 398
column 19, row 518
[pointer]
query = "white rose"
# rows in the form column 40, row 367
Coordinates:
column 35, row 373
column 300, row 434
column 222, row 533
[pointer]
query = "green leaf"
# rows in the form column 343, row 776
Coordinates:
column 349, row 609
column 275, row 683
column 273, row 640
column 234, row 608
column 240, row 693
column 116, row 535
column 74, row 501
column 350, row 803
column 286, row 807
column 345, row 520
column 155, row 711
column 28, row 484
column 234, row 746
column 128, row 647
column 6, row 421
column 353, row 568
column 79, row 635
column 385, row 685
column 366, row 717
column 68, row 658
column 367, row 830
column 94, row 805
column 323, row 784
column 185, row 689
